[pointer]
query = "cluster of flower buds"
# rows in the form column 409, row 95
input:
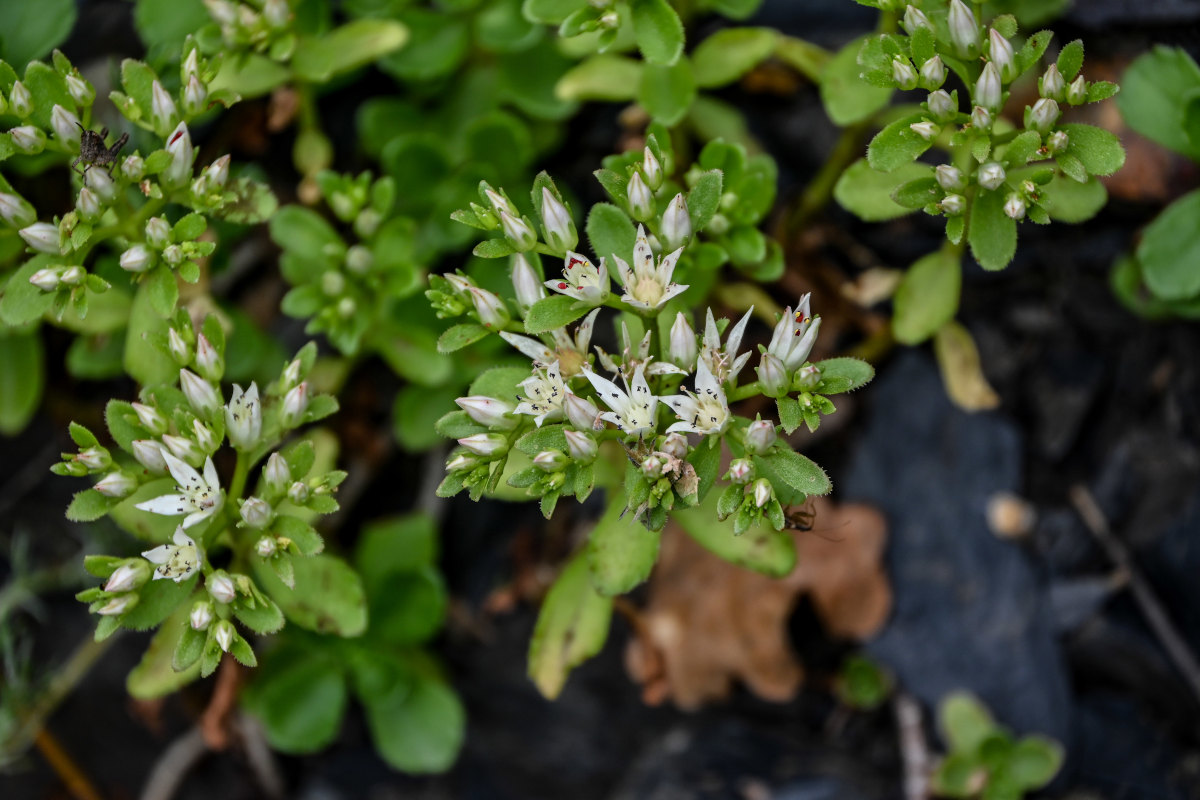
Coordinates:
column 262, row 27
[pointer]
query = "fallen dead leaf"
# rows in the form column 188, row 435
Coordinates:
column 708, row 623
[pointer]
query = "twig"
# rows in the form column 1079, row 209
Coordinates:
column 260, row 756
column 213, row 722
column 433, row 469
column 61, row 762
column 914, row 751
column 1177, row 650
column 173, row 766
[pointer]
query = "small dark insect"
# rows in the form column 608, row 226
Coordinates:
column 92, row 151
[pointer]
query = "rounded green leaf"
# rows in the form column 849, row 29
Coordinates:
column 1154, row 92
column 927, row 297
column 730, row 53
column 32, row 30
column 621, row 551
column 964, row 722
column 667, row 92
column 867, row 192
column 304, row 231
column 24, row 378
column 328, row 597
column 847, row 97
column 1169, row 252
column 155, row 675
column 1099, row 150
column 571, row 627
column 897, row 144
column 601, row 77
column 553, row 312
column 353, row 45
column 1068, row 200
column 992, row 234
column 1034, row 761
column 300, row 700
column 417, row 727
column 658, row 31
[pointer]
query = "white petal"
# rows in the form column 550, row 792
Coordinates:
column 169, row 505
column 529, row 347
column 159, row 555
column 734, row 340
column 706, row 383
column 683, row 406
column 210, row 474
column 643, row 257
column 609, row 393
column 182, row 539
column 683, row 426
column 640, row 390
column 626, row 275
column 633, row 301
column 672, row 290
column 738, row 363
column 712, row 337
column 667, row 267
column 664, row 368
column 583, row 334
column 186, row 477
column 196, row 517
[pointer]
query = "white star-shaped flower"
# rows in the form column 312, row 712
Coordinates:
column 199, row 496
column 544, row 395
column 706, row 411
column 582, row 280
column 175, row 561
column 648, row 286
column 569, row 351
column 724, row 363
column 635, row 357
column 794, row 335
column 633, row 410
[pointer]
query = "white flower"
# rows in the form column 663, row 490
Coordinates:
column 648, row 286
column 544, row 394
column 706, row 411
column 243, row 418
column 724, row 364
column 794, row 335
column 175, row 561
column 582, row 280
column 199, row 497
column 569, row 351
column 632, row 411
column 636, row 357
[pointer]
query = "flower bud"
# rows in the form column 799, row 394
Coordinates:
column 183, row 448
column 225, row 635
column 277, row 14
column 200, row 394
column 556, row 221
column 903, row 74
column 16, row 211
column 80, row 90
column 158, row 232
column 149, row 454
column 773, row 376
column 179, row 172
column 807, row 378
column 65, row 124
column 580, row 446
column 485, row 444
column 1051, row 84
column 488, row 411
column 651, row 169
column 130, row 575
column 933, row 73
column 953, row 205
column 489, row 307
column 276, row 473
column 551, row 461
column 763, row 492
column 46, row 279
column 137, row 258
column 220, row 587
column 1043, row 115
column 653, row 467
column 950, row 178
column 926, row 129
column 741, row 470
column 914, row 18
column 266, row 547
column 243, row 417
column 295, row 403
column 118, row 605
column 116, row 484
column 641, row 200
column 257, row 513
column 760, row 436
column 150, row 418
column 682, row 348
column 180, row 349
column 989, row 92
column 1076, row 93
column 580, row 412
column 1001, row 53
column 500, row 203
column 527, row 285
column 674, row 445
column 347, row 308
column 209, row 363
column 133, row 167
column 991, row 176
column 359, row 259
column 191, row 65
column 942, row 106
column 1057, row 142
column 88, row 205
column 21, row 99
column 73, row 276
column 201, row 615
column 517, row 231
column 1014, row 206
column 217, row 172
column 195, row 97
column 290, row 377
column 298, row 493
column 676, row 224
column 41, row 236
column 964, row 31
column 981, row 118
column 461, row 461
column 163, row 114
column 173, row 255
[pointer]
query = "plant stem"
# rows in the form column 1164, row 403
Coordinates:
column 237, row 486
column 742, row 392
column 818, row 193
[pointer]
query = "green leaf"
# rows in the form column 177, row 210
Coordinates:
column 964, row 722
column 162, row 290
column 300, row 700
column 658, row 31
column 417, row 727
column 790, row 416
column 416, row 412
column 1068, row 200
column 23, row 302
column 1070, row 59
column 1157, row 86
column 166, row 23
column 189, row 227
column 610, row 232
column 394, row 545
column 918, row 193
column 844, row 375
column 1170, row 249
column 991, row 233
column 438, row 43
column 795, row 470
column 301, row 230
column 705, row 458
column 867, row 193
column 547, row 437
column 704, row 198
column 551, row 12
column 249, row 75
column 153, row 528
column 621, row 551
column 305, row 537
column 601, row 77
column 761, row 549
column 1099, row 150
column 156, row 601
column 1021, row 149
column 24, row 378
column 459, row 336
column 897, row 145
column 499, row 382
column 263, row 617
column 553, row 312
column 328, row 597
column 494, row 248
column 956, row 775
column 847, row 97
column 353, row 45
column 410, row 608
column 927, row 297
column 155, row 675
column 667, row 92
column 32, row 30
column 1034, row 761
column 89, row 505
column 571, row 627
column 730, row 53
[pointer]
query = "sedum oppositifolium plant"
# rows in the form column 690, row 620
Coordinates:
column 622, row 353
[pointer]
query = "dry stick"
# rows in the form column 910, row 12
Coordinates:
column 174, row 765
column 1147, row 601
column 260, row 756
column 61, row 762
column 914, row 751
column 213, row 722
